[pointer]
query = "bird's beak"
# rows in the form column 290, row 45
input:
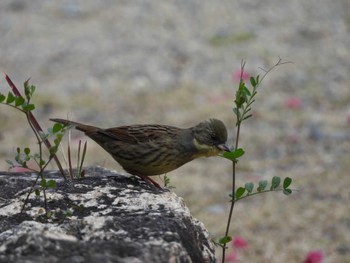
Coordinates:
column 223, row 147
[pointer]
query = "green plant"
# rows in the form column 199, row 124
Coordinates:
column 244, row 98
column 15, row 100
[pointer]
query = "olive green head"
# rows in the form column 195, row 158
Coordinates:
column 210, row 137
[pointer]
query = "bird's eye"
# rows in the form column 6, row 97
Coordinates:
column 213, row 136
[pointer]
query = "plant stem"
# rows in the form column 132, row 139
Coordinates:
column 233, row 189
column 34, row 124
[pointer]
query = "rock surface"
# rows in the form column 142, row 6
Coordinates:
column 104, row 217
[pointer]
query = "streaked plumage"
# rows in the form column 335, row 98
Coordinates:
column 146, row 150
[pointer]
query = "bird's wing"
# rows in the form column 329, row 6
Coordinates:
column 140, row 133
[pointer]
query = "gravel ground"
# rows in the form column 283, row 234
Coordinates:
column 112, row 63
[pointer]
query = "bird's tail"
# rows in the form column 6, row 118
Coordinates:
column 79, row 126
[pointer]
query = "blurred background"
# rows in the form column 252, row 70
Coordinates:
column 111, row 63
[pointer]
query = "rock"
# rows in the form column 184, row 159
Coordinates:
column 104, row 217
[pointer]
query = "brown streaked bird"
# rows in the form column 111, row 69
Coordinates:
column 151, row 149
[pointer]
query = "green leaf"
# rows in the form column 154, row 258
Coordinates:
column 246, row 92
column 10, row 98
column 37, row 192
column 43, row 183
column 41, row 162
column 247, row 117
column 18, row 158
column 276, row 181
column 262, row 186
column 239, row 192
column 53, row 150
column 18, row 150
column 28, row 89
column 27, row 151
column 240, row 100
column 224, row 240
column 252, row 81
column 28, row 107
column 249, row 187
column 287, row 191
column 19, row 101
column 57, row 127
column 2, row 97
column 286, row 183
column 51, row 184
column 233, row 155
column 26, row 158
column 56, row 141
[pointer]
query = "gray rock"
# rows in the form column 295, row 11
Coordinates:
column 101, row 218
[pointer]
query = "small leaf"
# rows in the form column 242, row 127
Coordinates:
column 247, row 117
column 57, row 127
column 53, row 150
column 287, row 191
column 233, row 155
column 239, row 192
column 246, row 92
column 275, row 182
column 37, row 192
column 28, row 89
column 27, row 151
column 19, row 101
column 51, row 184
column 42, row 162
column 29, row 107
column 26, row 158
column 43, row 183
column 18, row 158
column 249, row 187
column 286, row 183
column 58, row 139
column 262, row 185
column 224, row 240
column 10, row 98
column 18, row 150
column 2, row 97
column 252, row 81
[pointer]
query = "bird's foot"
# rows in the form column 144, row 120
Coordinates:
column 150, row 181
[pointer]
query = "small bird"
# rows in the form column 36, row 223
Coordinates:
column 151, row 149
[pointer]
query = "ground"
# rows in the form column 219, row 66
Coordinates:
column 114, row 63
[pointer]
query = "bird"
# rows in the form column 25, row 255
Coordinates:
column 151, row 149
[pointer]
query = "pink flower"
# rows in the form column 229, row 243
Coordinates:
column 238, row 74
column 292, row 103
column 231, row 257
column 19, row 170
column 239, row 242
column 314, row 256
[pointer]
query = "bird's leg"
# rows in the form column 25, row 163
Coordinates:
column 150, row 181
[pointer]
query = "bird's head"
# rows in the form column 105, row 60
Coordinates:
column 210, row 137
